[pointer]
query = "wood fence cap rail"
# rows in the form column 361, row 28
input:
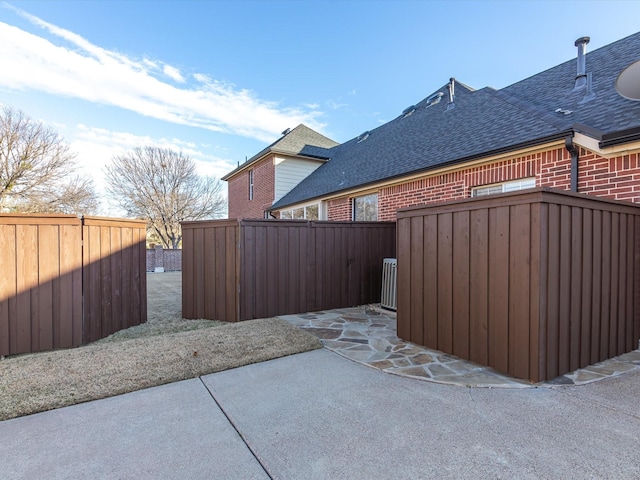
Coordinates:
column 531, row 195
column 111, row 221
column 278, row 221
column 224, row 222
column 39, row 219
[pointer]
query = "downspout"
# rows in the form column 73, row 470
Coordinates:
column 573, row 150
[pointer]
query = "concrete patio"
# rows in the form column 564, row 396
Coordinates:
column 317, row 415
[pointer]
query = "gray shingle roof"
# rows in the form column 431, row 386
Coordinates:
column 483, row 122
column 300, row 141
column 608, row 111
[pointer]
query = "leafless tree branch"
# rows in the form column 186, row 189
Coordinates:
column 37, row 169
column 162, row 186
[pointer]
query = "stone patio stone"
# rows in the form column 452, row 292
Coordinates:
column 367, row 335
column 437, row 370
column 421, row 359
column 324, row 333
column 382, row 365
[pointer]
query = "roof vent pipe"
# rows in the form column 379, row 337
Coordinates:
column 452, row 85
column 581, row 76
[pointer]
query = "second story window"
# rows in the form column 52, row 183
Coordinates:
column 250, row 184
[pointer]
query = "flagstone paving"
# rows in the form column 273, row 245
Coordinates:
column 367, row 335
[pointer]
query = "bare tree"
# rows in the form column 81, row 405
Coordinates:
column 162, row 186
column 76, row 196
column 37, row 169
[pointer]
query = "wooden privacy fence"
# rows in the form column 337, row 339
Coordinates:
column 534, row 284
column 66, row 281
column 239, row 270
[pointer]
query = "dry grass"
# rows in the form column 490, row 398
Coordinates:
column 164, row 350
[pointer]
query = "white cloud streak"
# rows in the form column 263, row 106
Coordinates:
column 69, row 65
column 173, row 73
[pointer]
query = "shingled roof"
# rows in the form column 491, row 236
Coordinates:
column 484, row 122
column 301, row 141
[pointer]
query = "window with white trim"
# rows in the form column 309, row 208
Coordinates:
column 365, row 208
column 512, row 186
column 308, row 212
column 250, row 184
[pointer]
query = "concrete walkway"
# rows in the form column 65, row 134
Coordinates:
column 367, row 335
column 316, row 415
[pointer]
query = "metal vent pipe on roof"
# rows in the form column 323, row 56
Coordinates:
column 452, row 85
column 581, row 76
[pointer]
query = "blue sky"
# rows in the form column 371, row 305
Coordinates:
column 220, row 80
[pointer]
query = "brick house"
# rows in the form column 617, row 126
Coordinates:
column 566, row 127
column 266, row 177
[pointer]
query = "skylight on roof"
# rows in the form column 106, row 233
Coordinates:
column 435, row 98
column 408, row 111
column 363, row 136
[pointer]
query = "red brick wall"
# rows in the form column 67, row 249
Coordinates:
column 339, row 209
column 263, row 191
column 617, row 178
column 458, row 184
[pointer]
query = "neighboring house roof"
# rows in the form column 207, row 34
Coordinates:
column 301, row 141
column 483, row 123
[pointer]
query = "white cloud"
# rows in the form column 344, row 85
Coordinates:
column 335, row 105
column 69, row 65
column 201, row 77
column 173, row 73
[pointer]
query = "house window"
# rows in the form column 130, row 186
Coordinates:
column 503, row 187
column 310, row 212
column 250, row 184
column 365, row 208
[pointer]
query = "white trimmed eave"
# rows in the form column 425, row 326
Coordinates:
column 593, row 144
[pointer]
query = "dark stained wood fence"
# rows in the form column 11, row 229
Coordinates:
column 534, row 284
column 210, row 270
column 45, row 271
column 239, row 270
column 114, row 277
